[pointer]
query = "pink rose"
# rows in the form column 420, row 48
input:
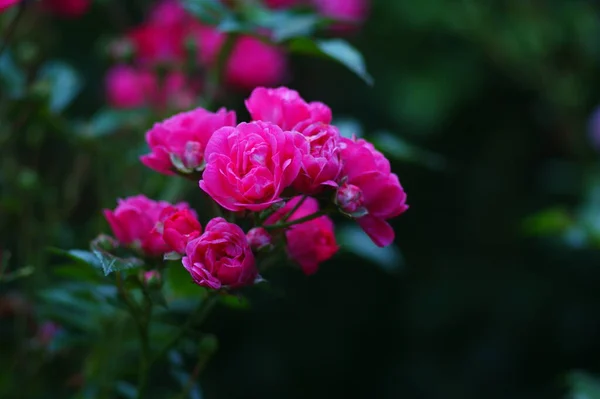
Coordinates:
column 134, row 220
column 209, row 41
column 254, row 63
column 220, row 257
column 179, row 228
column 184, row 137
column 309, row 243
column 322, row 165
column 384, row 197
column 168, row 13
column 4, row 4
column 158, row 44
column 174, row 91
column 127, row 87
column 249, row 166
column 285, row 107
column 348, row 12
column 68, row 8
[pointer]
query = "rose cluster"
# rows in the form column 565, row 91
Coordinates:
column 284, row 172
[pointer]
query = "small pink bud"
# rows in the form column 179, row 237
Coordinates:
column 350, row 199
column 192, row 154
column 152, row 278
column 258, row 238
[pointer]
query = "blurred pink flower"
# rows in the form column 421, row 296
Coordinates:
column 253, row 63
column 349, row 13
column 158, row 44
column 168, row 13
column 175, row 91
column 68, row 8
column 209, row 41
column 128, row 87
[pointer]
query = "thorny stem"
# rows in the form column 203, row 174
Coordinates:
column 285, row 225
column 295, row 208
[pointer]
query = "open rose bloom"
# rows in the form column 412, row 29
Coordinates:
column 179, row 143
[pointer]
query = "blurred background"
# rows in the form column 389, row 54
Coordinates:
column 487, row 113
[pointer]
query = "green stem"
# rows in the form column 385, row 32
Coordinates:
column 215, row 75
column 141, row 316
column 198, row 316
column 285, row 225
column 295, row 208
column 198, row 368
column 145, row 342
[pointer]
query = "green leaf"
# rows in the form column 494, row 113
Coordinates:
column 77, row 271
column 157, row 296
column 173, row 255
column 284, row 24
column 209, row 11
column 288, row 26
column 126, row 389
column 108, row 121
column 584, row 386
column 397, row 148
column 234, row 301
column 111, row 263
column 179, row 284
column 81, row 256
column 335, row 49
column 64, row 84
column 548, row 222
column 12, row 78
column 354, row 240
